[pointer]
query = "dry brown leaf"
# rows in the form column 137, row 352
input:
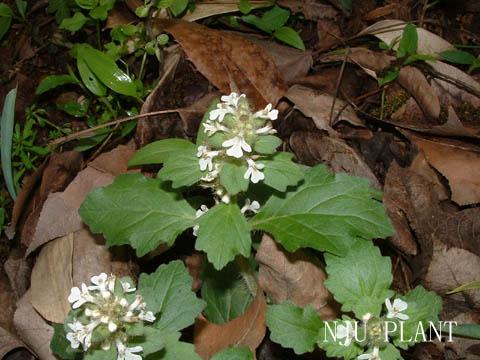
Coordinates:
column 329, row 34
column 297, row 277
column 8, row 343
column 248, row 330
column 317, row 105
column 420, row 166
column 391, row 30
column 52, row 279
column 59, row 215
column 311, row 9
column 312, row 148
column 217, row 7
column 18, row 269
column 230, row 62
column 458, row 162
column 7, row 304
column 32, row 329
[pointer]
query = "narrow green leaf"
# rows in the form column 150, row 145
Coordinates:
column 458, row 57
column 105, row 68
column 275, row 18
column 223, row 234
column 235, row 353
column 231, row 177
column 90, row 79
column 158, row 151
column 6, row 131
column 470, row 286
column 6, row 15
column 136, row 210
column 360, row 280
column 226, row 293
column 257, row 22
column 326, row 212
column 21, row 7
column 289, row 36
column 409, row 41
column 280, row 171
column 294, row 327
column 467, row 330
column 168, row 293
column 53, row 81
column 74, row 23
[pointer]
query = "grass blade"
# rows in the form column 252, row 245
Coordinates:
column 6, row 135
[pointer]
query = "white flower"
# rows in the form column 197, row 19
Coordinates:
column 146, row 316
column 267, row 129
column 370, row 356
column 128, row 353
column 202, row 210
column 236, row 145
column 267, row 113
column 211, row 129
column 253, row 172
column 232, row 99
column 253, row 206
column 345, row 332
column 79, row 297
column 127, row 287
column 206, row 158
column 366, row 317
column 77, row 336
column 395, row 309
column 229, row 106
column 226, row 199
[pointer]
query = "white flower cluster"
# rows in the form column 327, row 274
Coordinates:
column 240, row 127
column 105, row 306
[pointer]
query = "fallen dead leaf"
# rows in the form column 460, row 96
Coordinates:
column 52, row 279
column 248, row 330
column 7, row 304
column 218, row 7
column 459, row 162
column 59, row 215
column 230, row 62
column 420, row 166
column 311, row 9
column 317, row 105
column 18, row 269
column 391, row 30
column 329, row 34
column 296, row 277
column 312, row 148
column 32, row 329
column 8, row 343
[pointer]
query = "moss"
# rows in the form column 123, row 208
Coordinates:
column 468, row 114
column 391, row 105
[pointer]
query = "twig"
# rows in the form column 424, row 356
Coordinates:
column 337, row 86
column 87, row 132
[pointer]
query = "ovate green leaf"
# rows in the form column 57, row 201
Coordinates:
column 337, row 348
column 90, row 79
column 294, row 327
column 280, row 171
column 235, row 353
column 326, row 212
column 135, row 210
column 360, row 280
column 168, row 294
column 6, row 15
column 408, row 42
column 182, row 169
column 74, row 23
column 151, row 341
column 267, row 144
column 223, row 234
column 458, row 57
column 289, row 36
column 175, row 350
column 157, row 152
column 231, row 177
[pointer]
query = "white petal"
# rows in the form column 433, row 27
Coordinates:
column 400, row 305
column 112, row 327
column 341, row 331
column 402, row 316
column 389, row 306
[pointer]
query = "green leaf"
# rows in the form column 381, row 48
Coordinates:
column 338, row 348
column 151, row 341
column 53, row 81
column 360, row 281
column 175, row 350
column 326, row 212
column 257, row 22
column 226, row 293
column 105, row 68
column 423, row 306
column 390, row 352
column 182, row 168
column 178, row 7
column 267, row 144
column 244, row 6
column 202, row 137
column 391, row 75
column 168, row 293
column 294, row 327
column 418, row 57
column 469, row 286
column 74, row 23
column 231, row 177
column 61, row 346
column 136, row 210
column 61, row 8
column 275, row 18
column 21, row 7
column 6, row 15
column 101, row 12
column 2, row 218
column 6, row 136
column 467, row 330
column 90, row 79
column 235, row 353
column 158, row 151
column 409, row 41
column 99, row 354
column 458, row 57
column 289, row 36
column 223, row 234
column 280, row 171
column 87, row 4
